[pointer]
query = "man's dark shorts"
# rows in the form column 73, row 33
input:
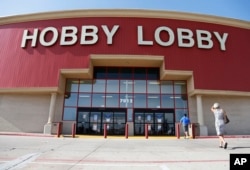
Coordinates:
column 185, row 128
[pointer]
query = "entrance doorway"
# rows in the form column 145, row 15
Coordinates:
column 92, row 120
column 160, row 121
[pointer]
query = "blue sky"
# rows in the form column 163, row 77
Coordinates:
column 237, row 9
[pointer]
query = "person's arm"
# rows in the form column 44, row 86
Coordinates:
column 181, row 120
column 212, row 109
column 224, row 112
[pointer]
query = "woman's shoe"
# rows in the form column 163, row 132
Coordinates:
column 220, row 146
column 225, row 146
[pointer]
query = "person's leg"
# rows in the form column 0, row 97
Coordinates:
column 222, row 141
column 186, row 131
column 221, row 144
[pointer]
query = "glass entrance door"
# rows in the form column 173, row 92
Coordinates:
column 91, row 121
column 160, row 121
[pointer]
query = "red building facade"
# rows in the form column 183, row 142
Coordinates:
column 39, row 52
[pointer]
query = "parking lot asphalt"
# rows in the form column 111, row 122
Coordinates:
column 116, row 153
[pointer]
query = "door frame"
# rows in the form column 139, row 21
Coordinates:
column 155, row 128
column 97, row 127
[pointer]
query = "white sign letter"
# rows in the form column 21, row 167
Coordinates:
column 243, row 160
column 44, row 32
column 87, row 33
column 70, row 33
column 206, row 38
column 110, row 34
column 170, row 33
column 185, row 34
column 26, row 37
column 140, row 37
column 237, row 161
column 222, row 40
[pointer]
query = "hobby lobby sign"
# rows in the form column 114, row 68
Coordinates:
column 89, row 35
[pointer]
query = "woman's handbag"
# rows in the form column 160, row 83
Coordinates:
column 226, row 120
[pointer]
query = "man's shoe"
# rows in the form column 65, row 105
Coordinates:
column 225, row 146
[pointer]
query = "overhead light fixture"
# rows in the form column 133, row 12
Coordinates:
column 107, row 96
column 128, row 82
column 84, row 96
column 175, row 97
column 74, row 81
column 154, row 82
column 153, row 97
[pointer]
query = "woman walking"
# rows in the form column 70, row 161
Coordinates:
column 219, row 115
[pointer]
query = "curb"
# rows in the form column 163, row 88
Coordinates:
column 225, row 136
column 26, row 134
column 133, row 137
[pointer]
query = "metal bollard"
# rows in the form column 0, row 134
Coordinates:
column 59, row 129
column 146, row 131
column 193, row 130
column 73, row 130
column 105, row 130
column 177, row 130
column 126, row 131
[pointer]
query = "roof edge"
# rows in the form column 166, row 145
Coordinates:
column 219, row 93
column 141, row 13
column 29, row 90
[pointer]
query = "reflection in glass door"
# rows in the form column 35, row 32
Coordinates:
column 83, row 122
column 108, row 118
column 91, row 121
column 149, row 119
column 95, row 122
column 160, row 122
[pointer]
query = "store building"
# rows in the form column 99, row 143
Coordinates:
column 96, row 67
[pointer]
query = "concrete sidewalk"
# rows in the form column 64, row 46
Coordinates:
column 42, row 153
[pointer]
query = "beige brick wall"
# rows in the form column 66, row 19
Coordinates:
column 26, row 112
column 23, row 113
column 237, row 108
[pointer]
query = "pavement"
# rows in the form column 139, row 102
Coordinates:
column 34, row 152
